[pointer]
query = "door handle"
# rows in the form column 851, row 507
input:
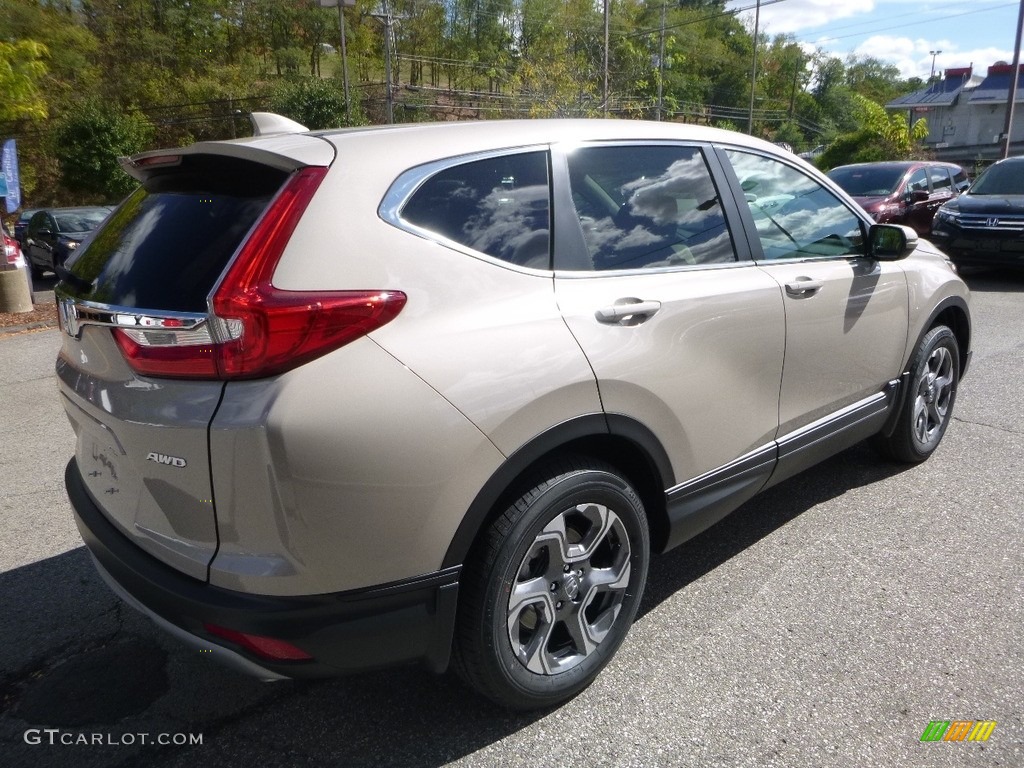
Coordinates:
column 803, row 286
column 628, row 311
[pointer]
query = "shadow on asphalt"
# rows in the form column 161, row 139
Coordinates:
column 760, row 517
column 100, row 666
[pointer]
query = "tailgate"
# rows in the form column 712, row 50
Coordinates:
column 144, row 280
column 142, row 449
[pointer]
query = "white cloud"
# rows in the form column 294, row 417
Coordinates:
column 793, row 16
column 914, row 59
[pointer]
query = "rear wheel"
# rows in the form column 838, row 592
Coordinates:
column 551, row 591
column 928, row 405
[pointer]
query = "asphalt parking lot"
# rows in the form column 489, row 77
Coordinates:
column 826, row 623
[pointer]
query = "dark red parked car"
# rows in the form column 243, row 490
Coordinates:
column 902, row 192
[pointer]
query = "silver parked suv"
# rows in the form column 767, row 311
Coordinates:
column 436, row 392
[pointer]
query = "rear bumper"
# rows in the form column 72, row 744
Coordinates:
column 396, row 623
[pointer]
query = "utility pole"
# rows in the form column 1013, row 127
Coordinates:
column 932, row 73
column 753, row 68
column 344, row 63
column 792, row 92
column 1013, row 83
column 344, row 53
column 661, row 62
column 385, row 17
column 604, row 100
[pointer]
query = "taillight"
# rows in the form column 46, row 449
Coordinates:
column 265, row 647
column 11, row 249
column 255, row 329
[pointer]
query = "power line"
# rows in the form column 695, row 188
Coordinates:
column 708, row 17
column 886, row 26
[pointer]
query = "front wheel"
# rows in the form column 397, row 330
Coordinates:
column 553, row 587
column 928, row 406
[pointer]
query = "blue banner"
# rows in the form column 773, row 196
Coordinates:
column 11, row 178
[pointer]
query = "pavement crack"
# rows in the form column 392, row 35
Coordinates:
column 989, row 426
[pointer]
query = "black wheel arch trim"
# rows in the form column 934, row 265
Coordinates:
column 950, row 302
column 562, row 435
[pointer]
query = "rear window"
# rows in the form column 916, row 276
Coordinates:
column 498, row 206
column 79, row 221
column 867, row 181
column 166, row 245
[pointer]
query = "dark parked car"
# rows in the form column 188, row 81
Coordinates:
column 903, row 192
column 53, row 234
column 985, row 227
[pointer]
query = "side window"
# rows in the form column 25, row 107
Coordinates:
column 940, row 179
column 37, row 222
column 498, row 206
column 644, row 207
column 918, row 181
column 795, row 216
column 960, row 180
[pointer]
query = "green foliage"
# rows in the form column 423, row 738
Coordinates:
column 313, row 102
column 857, row 147
column 21, row 69
column 792, row 134
column 883, row 136
column 194, row 68
column 892, row 129
column 873, row 79
column 87, row 143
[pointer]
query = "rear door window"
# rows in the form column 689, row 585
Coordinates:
column 918, row 181
column 647, row 207
column 940, row 179
column 165, row 247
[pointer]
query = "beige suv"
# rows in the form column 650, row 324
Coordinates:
column 436, row 393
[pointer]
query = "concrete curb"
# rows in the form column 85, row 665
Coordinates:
column 10, row 330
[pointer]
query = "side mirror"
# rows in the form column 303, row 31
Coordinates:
column 917, row 196
column 891, row 242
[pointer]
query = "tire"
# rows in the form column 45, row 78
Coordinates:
column 928, row 405
column 553, row 586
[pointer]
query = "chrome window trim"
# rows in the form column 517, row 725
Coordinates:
column 410, row 181
column 569, row 274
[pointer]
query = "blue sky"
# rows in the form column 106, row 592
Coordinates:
column 900, row 32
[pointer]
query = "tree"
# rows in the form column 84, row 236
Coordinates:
column 21, row 69
column 88, row 142
column 882, row 136
column 313, row 102
column 872, row 78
